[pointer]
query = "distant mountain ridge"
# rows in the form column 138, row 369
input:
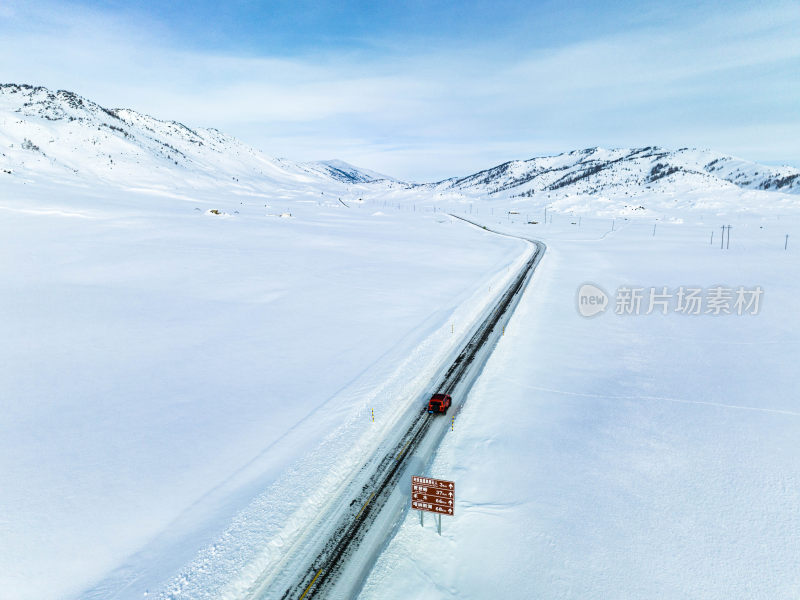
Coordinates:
column 599, row 170
column 64, row 136
column 347, row 173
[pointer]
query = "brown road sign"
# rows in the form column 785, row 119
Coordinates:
column 433, row 495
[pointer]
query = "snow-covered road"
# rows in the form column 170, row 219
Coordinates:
column 335, row 554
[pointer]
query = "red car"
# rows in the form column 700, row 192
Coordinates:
column 439, row 403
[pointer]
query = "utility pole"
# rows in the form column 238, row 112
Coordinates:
column 712, row 237
column 728, row 244
column 612, row 224
column 654, row 230
column 786, row 243
column 722, row 242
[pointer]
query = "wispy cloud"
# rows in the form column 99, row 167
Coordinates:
column 730, row 82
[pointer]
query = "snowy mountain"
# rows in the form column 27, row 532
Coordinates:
column 598, row 170
column 66, row 138
column 345, row 172
column 62, row 136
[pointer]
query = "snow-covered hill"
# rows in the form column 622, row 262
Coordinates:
column 640, row 170
column 62, row 136
column 347, row 173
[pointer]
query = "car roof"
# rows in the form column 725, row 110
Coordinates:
column 439, row 396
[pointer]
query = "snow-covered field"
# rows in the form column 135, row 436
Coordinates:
column 624, row 456
column 163, row 367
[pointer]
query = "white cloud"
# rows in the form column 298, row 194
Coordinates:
column 428, row 115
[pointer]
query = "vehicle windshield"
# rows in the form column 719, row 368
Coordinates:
column 435, row 404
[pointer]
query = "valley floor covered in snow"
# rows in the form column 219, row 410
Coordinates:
column 166, row 369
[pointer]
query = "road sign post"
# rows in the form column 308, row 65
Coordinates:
column 433, row 495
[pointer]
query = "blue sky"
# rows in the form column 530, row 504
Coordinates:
column 426, row 90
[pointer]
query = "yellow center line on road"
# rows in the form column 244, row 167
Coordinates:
column 310, row 584
column 365, row 505
column 403, row 450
